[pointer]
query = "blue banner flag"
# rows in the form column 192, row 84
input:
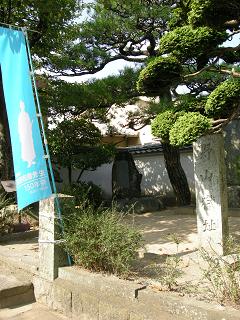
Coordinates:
column 31, row 174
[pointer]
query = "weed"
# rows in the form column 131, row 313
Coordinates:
column 223, row 273
column 168, row 273
column 83, row 191
column 98, row 240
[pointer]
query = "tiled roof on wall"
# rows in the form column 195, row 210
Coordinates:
column 149, row 148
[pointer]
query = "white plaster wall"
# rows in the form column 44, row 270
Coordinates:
column 155, row 179
column 102, row 177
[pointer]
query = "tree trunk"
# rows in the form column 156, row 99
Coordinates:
column 6, row 162
column 174, row 168
column 176, row 174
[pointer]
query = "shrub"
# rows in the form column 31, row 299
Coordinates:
column 83, row 191
column 224, row 99
column 186, row 42
column 188, row 128
column 159, row 74
column 163, row 123
column 97, row 239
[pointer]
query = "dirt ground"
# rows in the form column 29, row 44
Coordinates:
column 168, row 234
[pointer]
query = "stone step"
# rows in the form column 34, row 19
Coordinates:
column 15, row 288
column 32, row 311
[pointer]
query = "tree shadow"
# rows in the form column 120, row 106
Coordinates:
column 155, row 180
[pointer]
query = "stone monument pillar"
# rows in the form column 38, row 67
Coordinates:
column 51, row 256
column 211, row 192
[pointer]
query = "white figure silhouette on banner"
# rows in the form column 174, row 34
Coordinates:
column 25, row 136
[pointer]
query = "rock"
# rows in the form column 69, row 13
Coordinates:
column 140, row 205
column 21, row 227
column 126, row 179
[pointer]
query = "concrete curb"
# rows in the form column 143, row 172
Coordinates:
column 108, row 297
column 79, row 293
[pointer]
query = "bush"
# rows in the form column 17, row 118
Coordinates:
column 83, row 191
column 159, row 74
column 186, row 42
column 188, row 128
column 224, row 99
column 97, row 239
column 163, row 123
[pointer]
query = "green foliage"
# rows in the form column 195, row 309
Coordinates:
column 203, row 82
column 84, row 192
column 188, row 128
column 200, row 10
column 231, row 57
column 69, row 135
column 163, row 123
column 224, row 99
column 187, row 43
column 97, row 239
column 91, row 99
column 52, row 19
column 171, row 271
column 6, row 215
column 178, row 17
column 223, row 274
column 213, row 12
column 190, row 103
column 5, row 200
column 165, row 120
column 131, row 23
column 89, row 158
column 159, row 74
column 76, row 144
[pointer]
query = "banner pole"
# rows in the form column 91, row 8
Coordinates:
column 56, row 199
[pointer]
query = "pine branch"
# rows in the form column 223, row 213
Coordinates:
column 74, row 72
column 230, row 72
column 201, row 70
